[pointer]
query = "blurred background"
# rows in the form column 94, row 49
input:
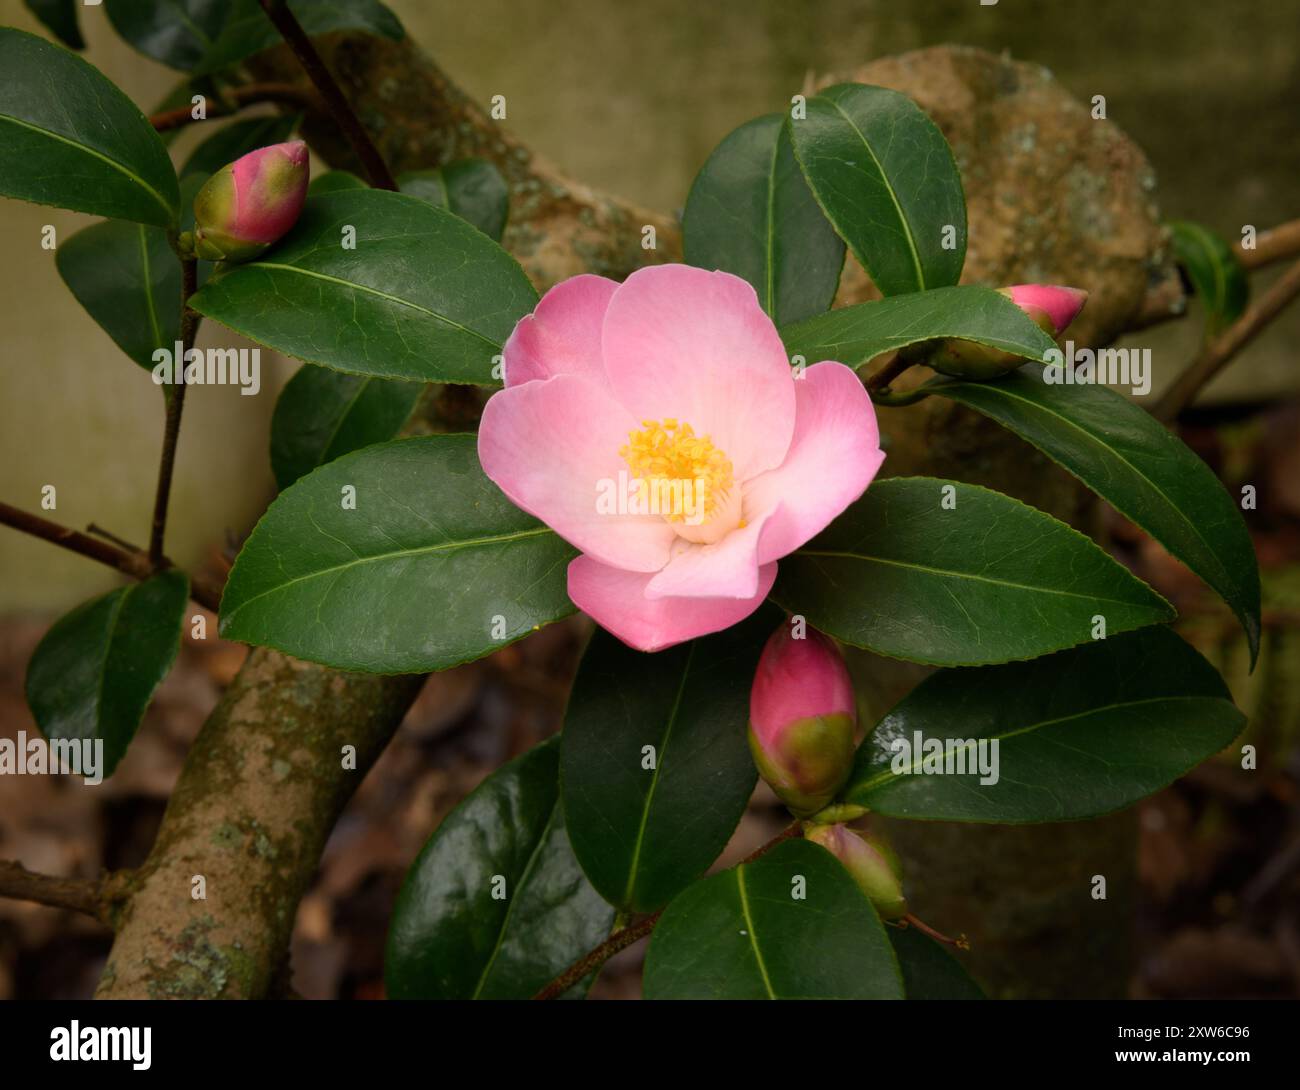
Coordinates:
column 631, row 98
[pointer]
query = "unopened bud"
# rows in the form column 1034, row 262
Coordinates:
column 250, row 203
column 871, row 862
column 801, row 719
column 1051, row 308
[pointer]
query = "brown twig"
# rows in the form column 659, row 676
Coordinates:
column 90, row 897
column 336, row 105
column 1276, row 244
column 881, row 380
column 132, row 562
column 175, row 405
column 624, row 938
column 1215, row 355
column 238, row 97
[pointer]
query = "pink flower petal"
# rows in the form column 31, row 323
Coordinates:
column 725, row 569
column 548, row 446
column 833, row 456
column 693, row 345
column 615, row 600
column 1060, row 304
column 562, row 335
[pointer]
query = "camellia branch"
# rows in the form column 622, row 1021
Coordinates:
column 128, row 560
column 91, row 897
column 238, row 97
column 880, row 381
column 175, row 405
column 1276, row 244
column 1218, row 352
column 336, row 104
column 622, row 939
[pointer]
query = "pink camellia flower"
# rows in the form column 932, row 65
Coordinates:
column 1051, row 308
column 802, row 717
column 250, row 203
column 657, row 426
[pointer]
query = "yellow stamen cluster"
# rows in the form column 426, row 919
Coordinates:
column 667, row 451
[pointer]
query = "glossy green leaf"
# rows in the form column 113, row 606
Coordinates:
column 238, row 138
column 60, row 19
column 178, row 33
column 129, row 280
column 929, row 971
column 1215, row 272
column 747, row 934
column 857, row 334
column 332, row 181
column 1080, row 733
column 472, row 188
column 322, row 415
column 1147, row 474
column 979, row 578
column 642, row 833
column 450, row 938
column 93, row 674
column 247, row 30
column 750, row 213
column 69, row 138
column 885, row 177
column 431, row 568
column 422, row 296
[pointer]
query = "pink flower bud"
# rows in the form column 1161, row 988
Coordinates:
column 871, row 862
column 802, row 717
column 1050, row 307
column 250, row 203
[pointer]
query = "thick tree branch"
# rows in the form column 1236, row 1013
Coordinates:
column 1220, row 351
column 336, row 103
column 286, row 94
column 129, row 561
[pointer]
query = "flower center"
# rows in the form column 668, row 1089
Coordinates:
column 682, row 475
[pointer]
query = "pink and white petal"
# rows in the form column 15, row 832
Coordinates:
column 552, row 447
column 833, row 456
column 615, row 600
column 695, row 345
column 562, row 335
column 726, row 569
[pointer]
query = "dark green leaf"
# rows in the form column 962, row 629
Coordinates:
column 69, row 138
column 60, row 19
column 1215, row 272
column 432, row 568
column 175, row 32
column 1080, row 733
column 886, row 178
column 332, row 181
column 743, row 934
column 93, row 674
column 451, row 939
column 423, row 295
column 750, row 213
column 644, row 834
column 472, row 188
column 129, row 280
column 987, row 581
column 1138, row 467
column 323, row 414
column 929, row 971
column 248, row 30
column 857, row 334
column 238, row 138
